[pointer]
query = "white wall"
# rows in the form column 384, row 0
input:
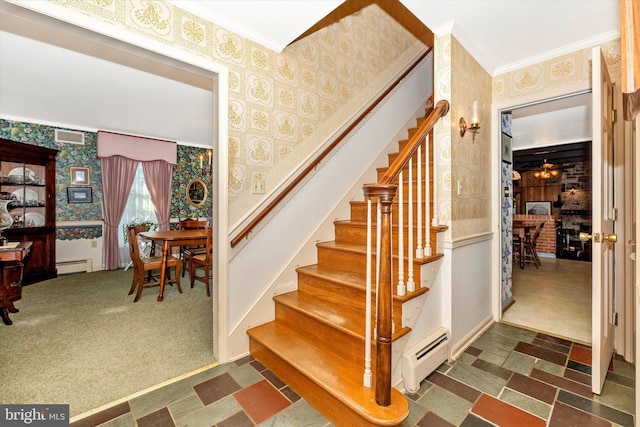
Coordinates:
column 78, row 250
column 467, row 292
column 266, row 265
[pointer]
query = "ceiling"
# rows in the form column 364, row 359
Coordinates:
column 89, row 93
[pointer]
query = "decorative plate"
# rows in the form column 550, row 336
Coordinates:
column 29, row 175
column 34, row 219
column 26, row 195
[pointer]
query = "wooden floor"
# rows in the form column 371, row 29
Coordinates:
column 556, row 298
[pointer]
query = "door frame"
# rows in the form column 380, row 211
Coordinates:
column 498, row 194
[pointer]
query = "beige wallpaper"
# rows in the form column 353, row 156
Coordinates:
column 555, row 77
column 281, row 105
column 464, row 177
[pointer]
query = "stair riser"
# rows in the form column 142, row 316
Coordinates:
column 355, row 263
column 329, row 290
column 323, row 333
column 357, row 234
column 341, row 294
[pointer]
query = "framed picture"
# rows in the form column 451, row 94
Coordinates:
column 506, row 148
column 79, row 176
column 79, row 195
column 538, row 208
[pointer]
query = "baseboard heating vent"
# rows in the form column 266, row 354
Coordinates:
column 422, row 358
column 69, row 136
column 75, row 266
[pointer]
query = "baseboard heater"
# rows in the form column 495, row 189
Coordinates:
column 75, row 266
column 422, row 358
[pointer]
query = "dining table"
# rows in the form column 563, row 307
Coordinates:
column 169, row 239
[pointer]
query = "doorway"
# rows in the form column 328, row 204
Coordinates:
column 546, row 178
column 183, row 70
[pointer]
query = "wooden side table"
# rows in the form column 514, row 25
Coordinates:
column 11, row 268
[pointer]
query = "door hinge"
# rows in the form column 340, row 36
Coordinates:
column 614, row 214
column 614, row 116
column 615, row 319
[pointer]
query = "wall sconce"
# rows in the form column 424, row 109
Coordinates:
column 474, row 126
column 208, row 169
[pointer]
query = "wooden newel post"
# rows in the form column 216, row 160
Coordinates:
column 384, row 324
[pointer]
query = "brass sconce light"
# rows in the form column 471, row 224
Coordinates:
column 474, row 126
column 203, row 170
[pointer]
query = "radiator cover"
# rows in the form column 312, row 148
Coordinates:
column 422, row 358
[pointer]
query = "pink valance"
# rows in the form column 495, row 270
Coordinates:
column 136, row 147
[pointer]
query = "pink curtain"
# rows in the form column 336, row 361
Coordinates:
column 120, row 154
column 136, row 147
column 158, row 177
column 117, row 177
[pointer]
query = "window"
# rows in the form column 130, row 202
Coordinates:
column 139, row 209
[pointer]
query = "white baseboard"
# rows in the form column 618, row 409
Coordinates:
column 462, row 345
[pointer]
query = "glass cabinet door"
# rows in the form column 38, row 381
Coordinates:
column 25, row 186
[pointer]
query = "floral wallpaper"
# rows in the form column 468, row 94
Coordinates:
column 282, row 105
column 562, row 75
column 72, row 155
column 188, row 168
column 69, row 155
column 463, row 182
column 506, row 209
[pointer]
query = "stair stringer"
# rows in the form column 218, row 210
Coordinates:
column 422, row 314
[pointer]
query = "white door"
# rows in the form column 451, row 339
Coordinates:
column 602, row 228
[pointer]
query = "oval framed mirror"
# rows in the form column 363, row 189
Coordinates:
column 197, row 192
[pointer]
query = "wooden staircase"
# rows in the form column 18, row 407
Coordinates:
column 316, row 344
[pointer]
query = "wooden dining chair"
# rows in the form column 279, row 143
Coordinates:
column 202, row 261
column 142, row 265
column 530, row 250
column 190, row 224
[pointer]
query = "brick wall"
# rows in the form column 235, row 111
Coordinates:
column 547, row 239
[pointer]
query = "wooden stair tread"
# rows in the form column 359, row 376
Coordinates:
column 335, row 375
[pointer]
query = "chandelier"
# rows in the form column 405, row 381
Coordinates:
column 545, row 171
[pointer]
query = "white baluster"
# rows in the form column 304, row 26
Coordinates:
column 427, row 199
column 419, row 249
column 434, row 219
column 367, row 330
column 411, row 285
column 402, row 290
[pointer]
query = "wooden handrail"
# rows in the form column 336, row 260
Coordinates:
column 440, row 110
column 303, row 174
column 384, row 190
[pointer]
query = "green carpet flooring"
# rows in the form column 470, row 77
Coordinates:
column 80, row 339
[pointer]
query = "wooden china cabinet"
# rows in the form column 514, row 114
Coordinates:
column 28, row 177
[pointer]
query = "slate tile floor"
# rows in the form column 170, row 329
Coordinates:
column 508, row 377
